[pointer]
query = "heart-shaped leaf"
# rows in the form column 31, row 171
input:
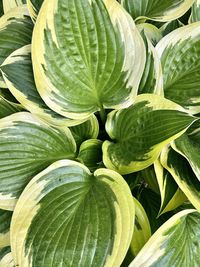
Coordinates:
column 27, row 146
column 141, row 131
column 90, row 217
column 175, row 243
column 91, row 56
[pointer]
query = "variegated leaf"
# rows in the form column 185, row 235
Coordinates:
column 195, row 13
column 19, row 65
column 171, row 195
column 141, row 131
column 151, row 32
column 180, row 56
column 183, row 174
column 175, row 243
column 164, row 10
column 27, row 146
column 84, row 67
column 91, row 218
column 6, row 258
column 7, row 108
column 15, row 31
column 34, row 7
column 5, row 219
column 10, row 4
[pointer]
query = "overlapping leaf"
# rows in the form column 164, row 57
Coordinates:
column 91, row 56
column 10, row 4
column 157, row 10
column 68, row 216
column 34, row 7
column 180, row 53
column 176, row 243
column 15, row 31
column 5, row 219
column 7, row 108
column 27, row 146
column 6, row 259
column 195, row 12
column 141, row 131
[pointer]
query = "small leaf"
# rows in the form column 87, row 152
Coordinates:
column 175, row 243
column 91, row 218
column 14, row 22
column 141, row 131
column 27, row 146
column 171, row 196
column 170, row 26
column 151, row 32
column 179, row 53
column 157, row 10
column 7, row 108
column 90, row 154
column 142, row 229
column 34, row 7
column 195, row 12
column 6, row 258
column 182, row 173
column 91, row 56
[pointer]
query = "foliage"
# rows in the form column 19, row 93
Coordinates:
column 99, row 133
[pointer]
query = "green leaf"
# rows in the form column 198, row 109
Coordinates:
column 170, row 26
column 179, row 53
column 27, row 146
column 171, row 196
column 157, row 10
column 15, row 31
column 5, row 219
column 142, row 229
column 10, row 4
column 1, row 8
column 195, row 12
column 84, row 46
column 188, row 145
column 182, row 173
column 87, row 130
column 19, row 65
column 140, row 132
column 7, row 108
column 90, row 154
column 176, row 243
column 34, row 7
column 149, row 176
column 152, row 79
column 71, row 217
column 6, row 259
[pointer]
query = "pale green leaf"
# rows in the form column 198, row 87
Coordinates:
column 141, row 131
column 175, row 243
column 179, row 52
column 10, row 4
column 151, row 31
column 164, row 10
column 34, row 7
column 70, row 217
column 195, row 12
column 27, row 146
column 6, row 259
column 91, row 56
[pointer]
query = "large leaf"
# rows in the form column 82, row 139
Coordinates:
column 5, row 219
column 10, row 4
column 91, row 56
column 19, row 65
column 188, row 145
column 183, row 175
column 171, row 195
column 15, row 31
column 6, row 258
column 141, row 131
column 180, row 53
column 176, row 243
column 90, row 218
column 195, row 13
column 164, row 10
column 7, row 108
column 142, row 229
column 27, row 146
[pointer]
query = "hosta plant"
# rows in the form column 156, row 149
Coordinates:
column 99, row 133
